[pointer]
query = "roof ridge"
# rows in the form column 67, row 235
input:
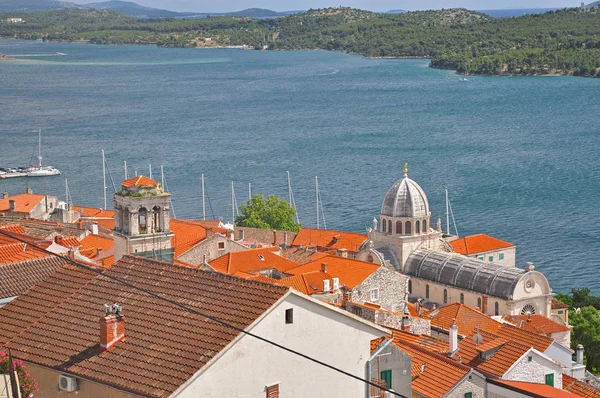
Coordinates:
column 436, row 355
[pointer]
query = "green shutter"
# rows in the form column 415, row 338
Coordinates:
column 386, row 375
column 468, row 395
column 550, row 379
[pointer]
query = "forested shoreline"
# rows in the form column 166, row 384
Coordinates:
column 557, row 42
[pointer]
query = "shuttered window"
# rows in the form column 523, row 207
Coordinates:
column 386, row 375
column 550, row 379
column 273, row 391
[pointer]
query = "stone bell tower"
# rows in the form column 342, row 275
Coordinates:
column 142, row 220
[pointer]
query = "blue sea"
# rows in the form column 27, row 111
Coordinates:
column 519, row 155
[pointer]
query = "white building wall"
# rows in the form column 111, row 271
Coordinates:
column 495, row 391
column 250, row 365
column 509, row 254
column 535, row 370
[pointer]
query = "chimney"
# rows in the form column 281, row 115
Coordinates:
column 59, row 239
column 209, row 233
column 12, row 206
column 29, row 191
column 285, row 239
column 94, row 229
column 274, row 237
column 324, row 267
column 438, row 226
column 4, row 195
column 112, row 326
column 336, row 283
column 453, row 337
column 579, row 350
column 343, row 253
column 347, row 296
column 484, row 304
column 405, row 326
column 241, row 234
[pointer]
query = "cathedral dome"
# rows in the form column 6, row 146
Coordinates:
column 405, row 199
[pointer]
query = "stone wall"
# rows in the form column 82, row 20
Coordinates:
column 212, row 248
column 533, row 368
column 476, row 385
column 392, row 289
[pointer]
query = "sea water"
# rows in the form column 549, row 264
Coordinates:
column 519, row 155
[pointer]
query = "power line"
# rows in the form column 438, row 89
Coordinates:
column 196, row 312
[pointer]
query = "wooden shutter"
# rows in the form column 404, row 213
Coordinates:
column 273, row 391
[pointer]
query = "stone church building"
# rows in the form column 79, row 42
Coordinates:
column 404, row 240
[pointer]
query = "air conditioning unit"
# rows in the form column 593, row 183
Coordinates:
column 67, row 383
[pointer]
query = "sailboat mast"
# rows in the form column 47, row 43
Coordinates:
column 232, row 205
column 150, row 170
column 125, row 167
column 40, row 149
column 67, row 191
column 162, row 175
column 447, row 214
column 104, row 178
column 203, row 202
column 289, row 188
column 249, row 191
column 317, row 195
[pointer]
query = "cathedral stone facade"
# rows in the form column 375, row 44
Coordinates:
column 403, row 239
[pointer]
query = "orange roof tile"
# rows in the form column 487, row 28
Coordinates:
column 139, row 181
column 188, row 233
column 375, row 343
column 524, row 337
column 536, row 323
column 466, row 319
column 67, row 241
column 440, row 373
column 24, row 202
column 330, row 239
column 350, row 272
column 479, row 243
column 107, row 262
column 556, row 304
column 307, row 283
column 252, row 260
column 18, row 277
column 94, row 212
column 578, row 387
column 538, row 390
column 96, row 242
column 14, row 252
column 15, row 228
column 427, row 342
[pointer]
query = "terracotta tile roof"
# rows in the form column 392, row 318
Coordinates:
column 329, row 239
column 98, row 242
column 265, row 279
column 107, row 262
column 556, row 304
column 413, row 310
column 139, row 181
column 67, row 241
column 252, row 260
column 18, row 277
column 534, row 389
column 24, row 202
column 95, row 212
column 188, row 233
column 524, row 337
column 307, row 283
column 303, row 255
column 578, row 387
column 427, row 342
column 15, row 228
column 536, row 323
column 350, row 272
column 466, row 319
column 43, row 229
column 40, row 299
column 13, row 250
column 440, row 373
column 375, row 343
column 479, row 243
column 161, row 351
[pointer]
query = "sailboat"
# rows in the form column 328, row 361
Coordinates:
column 464, row 78
column 41, row 171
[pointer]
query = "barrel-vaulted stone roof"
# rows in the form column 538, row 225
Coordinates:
column 464, row 272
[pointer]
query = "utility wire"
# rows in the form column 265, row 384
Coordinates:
column 196, row 312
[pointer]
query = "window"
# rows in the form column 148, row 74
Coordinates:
column 407, row 228
column 501, row 256
column 374, row 294
column 142, row 215
column 399, row 227
column 445, row 296
column 496, row 309
column 529, row 358
column 462, row 298
column 390, row 226
column 156, row 218
column 289, row 316
column 383, row 225
column 468, row 395
column 221, row 245
column 560, row 312
column 427, row 291
column 491, row 258
column 424, row 226
column 480, row 258
column 386, row 375
column 550, row 379
column 273, row 391
column 409, row 286
column 479, row 302
column 417, row 227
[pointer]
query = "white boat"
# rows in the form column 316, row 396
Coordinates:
column 464, row 78
column 39, row 170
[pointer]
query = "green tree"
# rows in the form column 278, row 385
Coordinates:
column 586, row 331
column 269, row 213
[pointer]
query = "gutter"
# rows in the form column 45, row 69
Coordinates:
column 375, row 354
